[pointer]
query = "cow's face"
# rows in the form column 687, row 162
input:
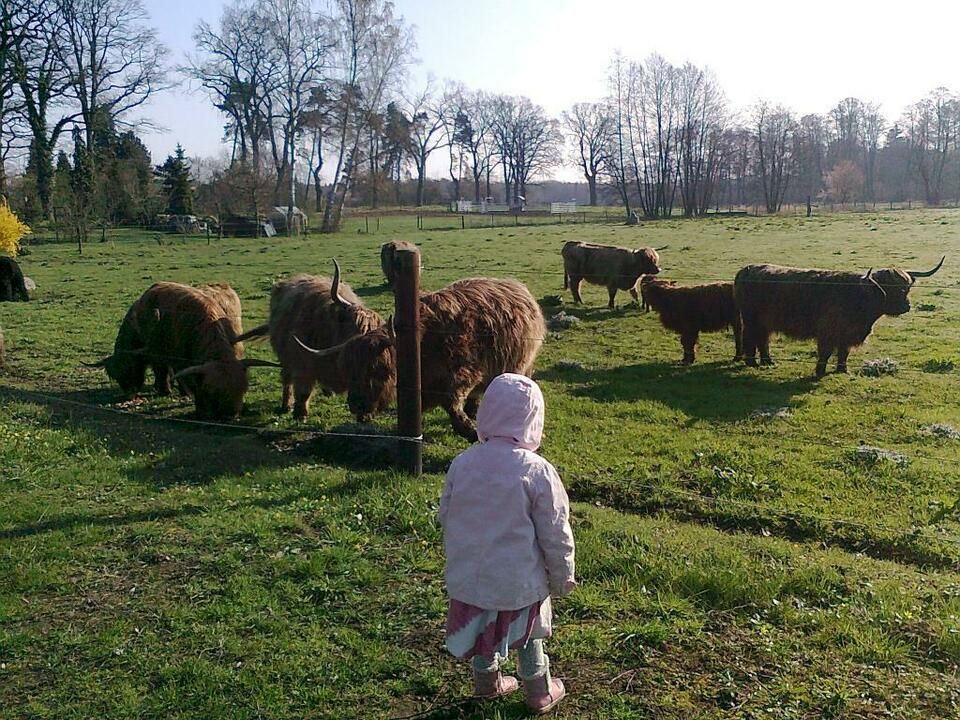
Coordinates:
column 894, row 286
column 370, row 363
column 127, row 370
column 217, row 387
column 646, row 261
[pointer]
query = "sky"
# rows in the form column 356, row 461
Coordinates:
column 807, row 55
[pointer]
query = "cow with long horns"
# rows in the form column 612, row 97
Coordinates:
column 186, row 334
column 323, row 313
column 617, row 268
column 837, row 309
column 470, row 332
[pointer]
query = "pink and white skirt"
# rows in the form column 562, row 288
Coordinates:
column 474, row 631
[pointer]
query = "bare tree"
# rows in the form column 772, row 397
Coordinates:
column 237, row 68
column 700, row 146
column 845, row 181
column 374, row 48
column 773, row 128
column 427, row 122
column 112, row 58
column 616, row 157
column 297, row 34
column 932, row 127
column 528, row 143
column 589, row 128
column 810, row 151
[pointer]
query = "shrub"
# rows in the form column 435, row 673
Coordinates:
column 939, row 365
column 880, row 366
column 12, row 230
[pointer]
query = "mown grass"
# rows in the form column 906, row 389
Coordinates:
column 736, row 560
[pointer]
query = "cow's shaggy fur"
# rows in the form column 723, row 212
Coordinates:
column 304, row 307
column 12, row 286
column 837, row 309
column 691, row 309
column 470, row 332
column 188, row 331
column 616, row 268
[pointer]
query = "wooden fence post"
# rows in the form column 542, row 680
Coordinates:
column 409, row 408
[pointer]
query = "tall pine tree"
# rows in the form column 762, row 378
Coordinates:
column 174, row 175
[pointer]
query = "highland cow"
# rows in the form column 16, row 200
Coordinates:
column 644, row 284
column 692, row 309
column 837, row 309
column 322, row 313
column 470, row 332
column 616, row 268
column 186, row 334
column 388, row 253
column 12, row 286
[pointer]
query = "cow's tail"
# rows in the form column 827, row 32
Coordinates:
column 566, row 278
column 258, row 333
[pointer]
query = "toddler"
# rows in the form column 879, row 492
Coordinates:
column 508, row 545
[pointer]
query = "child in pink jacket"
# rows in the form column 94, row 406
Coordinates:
column 508, row 545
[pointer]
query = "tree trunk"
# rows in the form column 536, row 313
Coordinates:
column 592, row 184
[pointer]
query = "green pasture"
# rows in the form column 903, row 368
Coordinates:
column 747, row 545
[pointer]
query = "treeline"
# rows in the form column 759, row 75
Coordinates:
column 318, row 95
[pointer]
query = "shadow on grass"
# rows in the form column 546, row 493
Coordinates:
column 176, row 452
column 373, row 290
column 711, row 391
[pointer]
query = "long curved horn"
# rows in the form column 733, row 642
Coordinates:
column 323, row 352
column 870, row 278
column 192, row 370
column 928, row 273
column 99, row 363
column 253, row 362
column 335, row 289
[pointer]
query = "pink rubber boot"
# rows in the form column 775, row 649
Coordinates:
column 489, row 685
column 543, row 693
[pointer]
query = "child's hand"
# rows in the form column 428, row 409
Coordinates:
column 566, row 588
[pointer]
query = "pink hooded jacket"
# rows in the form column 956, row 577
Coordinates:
column 504, row 510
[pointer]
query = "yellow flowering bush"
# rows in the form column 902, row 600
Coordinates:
column 12, row 230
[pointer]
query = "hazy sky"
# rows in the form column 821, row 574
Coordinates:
column 807, row 55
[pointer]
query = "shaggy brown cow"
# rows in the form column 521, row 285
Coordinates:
column 692, row 309
column 470, row 332
column 836, row 308
column 189, row 331
column 12, row 284
column 322, row 313
column 388, row 252
column 644, row 284
column 615, row 267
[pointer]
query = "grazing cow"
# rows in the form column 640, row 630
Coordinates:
column 320, row 312
column 837, row 309
column 615, row 267
column 470, row 332
column 12, row 287
column 388, row 252
column 692, row 309
column 187, row 333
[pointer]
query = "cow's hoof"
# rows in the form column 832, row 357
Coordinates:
column 750, row 362
column 767, row 362
column 821, row 371
column 842, row 369
column 737, row 358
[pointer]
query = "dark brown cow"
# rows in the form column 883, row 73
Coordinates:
column 692, row 309
column 616, row 268
column 323, row 313
column 12, row 285
column 644, row 284
column 837, row 309
column 470, row 332
column 388, row 252
column 186, row 332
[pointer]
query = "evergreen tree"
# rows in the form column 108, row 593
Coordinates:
column 174, row 175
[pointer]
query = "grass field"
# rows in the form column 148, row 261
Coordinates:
column 740, row 554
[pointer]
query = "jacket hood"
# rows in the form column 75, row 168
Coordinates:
column 512, row 410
